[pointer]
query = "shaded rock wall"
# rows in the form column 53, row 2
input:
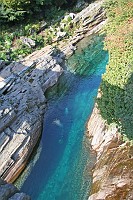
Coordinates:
column 10, row 192
column 113, row 170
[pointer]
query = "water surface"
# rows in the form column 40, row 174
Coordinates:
column 58, row 171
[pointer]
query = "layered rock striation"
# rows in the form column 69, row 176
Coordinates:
column 23, row 102
column 113, row 170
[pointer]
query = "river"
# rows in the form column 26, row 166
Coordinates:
column 59, row 169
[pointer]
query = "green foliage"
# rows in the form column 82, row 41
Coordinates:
column 11, row 10
column 116, row 102
column 54, row 13
column 40, row 2
column 11, row 46
column 14, row 10
column 15, row 4
column 8, row 14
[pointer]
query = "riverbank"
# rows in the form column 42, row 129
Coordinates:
column 113, row 170
column 110, row 125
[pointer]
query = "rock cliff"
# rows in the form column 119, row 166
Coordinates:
column 23, row 102
column 113, row 170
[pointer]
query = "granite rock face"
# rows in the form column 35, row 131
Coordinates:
column 113, row 171
column 22, row 100
column 10, row 192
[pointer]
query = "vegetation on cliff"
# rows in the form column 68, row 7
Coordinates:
column 27, row 20
column 26, row 25
column 15, row 10
column 116, row 102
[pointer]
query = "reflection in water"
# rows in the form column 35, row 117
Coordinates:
column 60, row 172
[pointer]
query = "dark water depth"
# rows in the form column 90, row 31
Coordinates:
column 58, row 170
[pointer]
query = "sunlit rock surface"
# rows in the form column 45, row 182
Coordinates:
column 113, row 171
column 23, row 102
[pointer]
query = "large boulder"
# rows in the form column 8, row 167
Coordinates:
column 60, row 35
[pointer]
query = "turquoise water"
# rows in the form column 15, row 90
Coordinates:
column 61, row 169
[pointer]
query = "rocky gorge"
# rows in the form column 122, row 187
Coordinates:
column 22, row 93
column 23, row 104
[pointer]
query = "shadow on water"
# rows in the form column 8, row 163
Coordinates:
column 59, row 172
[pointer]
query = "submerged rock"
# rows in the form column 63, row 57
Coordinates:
column 113, row 170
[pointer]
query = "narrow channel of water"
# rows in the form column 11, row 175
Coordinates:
column 58, row 171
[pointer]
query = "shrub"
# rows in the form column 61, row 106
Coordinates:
column 116, row 103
